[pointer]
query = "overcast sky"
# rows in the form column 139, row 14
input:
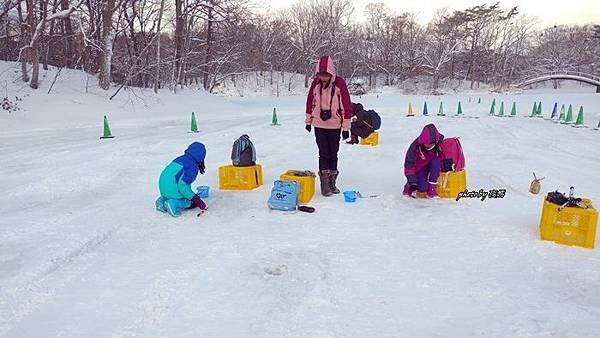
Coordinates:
column 549, row 12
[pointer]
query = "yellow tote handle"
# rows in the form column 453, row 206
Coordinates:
column 445, row 179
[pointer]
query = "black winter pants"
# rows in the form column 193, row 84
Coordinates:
column 361, row 129
column 328, row 141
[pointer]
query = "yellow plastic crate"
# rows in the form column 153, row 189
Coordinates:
column 306, row 183
column 450, row 183
column 240, row 178
column 570, row 226
column 372, row 140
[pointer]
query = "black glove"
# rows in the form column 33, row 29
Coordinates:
column 201, row 167
column 345, row 134
column 198, row 202
column 308, row 127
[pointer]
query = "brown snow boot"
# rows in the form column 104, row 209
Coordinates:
column 333, row 174
column 325, row 185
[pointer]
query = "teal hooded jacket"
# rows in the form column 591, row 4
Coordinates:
column 176, row 179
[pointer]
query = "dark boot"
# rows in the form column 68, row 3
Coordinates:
column 325, row 185
column 353, row 139
column 333, row 174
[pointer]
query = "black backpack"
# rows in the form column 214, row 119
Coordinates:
column 375, row 119
column 243, row 153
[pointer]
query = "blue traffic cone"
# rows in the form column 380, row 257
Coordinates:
column 554, row 111
column 425, row 112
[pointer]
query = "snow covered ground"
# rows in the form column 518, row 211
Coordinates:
column 83, row 253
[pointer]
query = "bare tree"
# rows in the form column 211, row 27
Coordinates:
column 108, row 36
column 444, row 37
column 156, row 43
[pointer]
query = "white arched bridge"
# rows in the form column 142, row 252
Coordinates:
column 591, row 79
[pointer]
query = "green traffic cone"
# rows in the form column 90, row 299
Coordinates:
column 569, row 118
column 579, row 122
column 479, row 101
column 513, row 110
column 501, row 112
column 274, row 120
column 493, row 108
column 441, row 110
column 561, row 117
column 459, row 111
column 539, row 110
column 534, row 110
column 106, row 133
column 193, row 124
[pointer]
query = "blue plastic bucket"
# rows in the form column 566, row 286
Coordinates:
column 203, row 191
column 350, row 196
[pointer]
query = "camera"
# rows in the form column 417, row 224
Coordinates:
column 325, row 114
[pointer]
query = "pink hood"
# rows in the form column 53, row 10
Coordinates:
column 325, row 65
column 430, row 135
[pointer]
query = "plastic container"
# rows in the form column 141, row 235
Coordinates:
column 203, row 191
column 350, row 196
column 569, row 226
column 372, row 140
column 240, row 178
column 306, row 183
column 450, row 183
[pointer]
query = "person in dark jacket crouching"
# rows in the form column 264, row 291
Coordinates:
column 364, row 122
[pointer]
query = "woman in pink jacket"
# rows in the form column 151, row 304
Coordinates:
column 328, row 109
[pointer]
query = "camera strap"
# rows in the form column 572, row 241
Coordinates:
column 332, row 84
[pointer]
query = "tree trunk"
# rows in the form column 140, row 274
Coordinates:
column 436, row 82
column 48, row 43
column 68, row 56
column 157, row 74
column 208, row 55
column 6, row 54
column 35, row 55
column 107, row 44
column 179, row 24
column 135, row 50
column 22, row 43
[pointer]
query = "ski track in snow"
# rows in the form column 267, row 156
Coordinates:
column 84, row 253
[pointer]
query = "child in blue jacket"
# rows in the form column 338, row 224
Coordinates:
column 175, row 182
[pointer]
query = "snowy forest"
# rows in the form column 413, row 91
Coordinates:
column 169, row 44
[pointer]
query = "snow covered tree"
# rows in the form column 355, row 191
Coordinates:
column 159, row 43
column 443, row 38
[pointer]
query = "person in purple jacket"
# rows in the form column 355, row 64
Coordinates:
column 422, row 163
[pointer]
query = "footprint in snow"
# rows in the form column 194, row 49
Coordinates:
column 276, row 270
